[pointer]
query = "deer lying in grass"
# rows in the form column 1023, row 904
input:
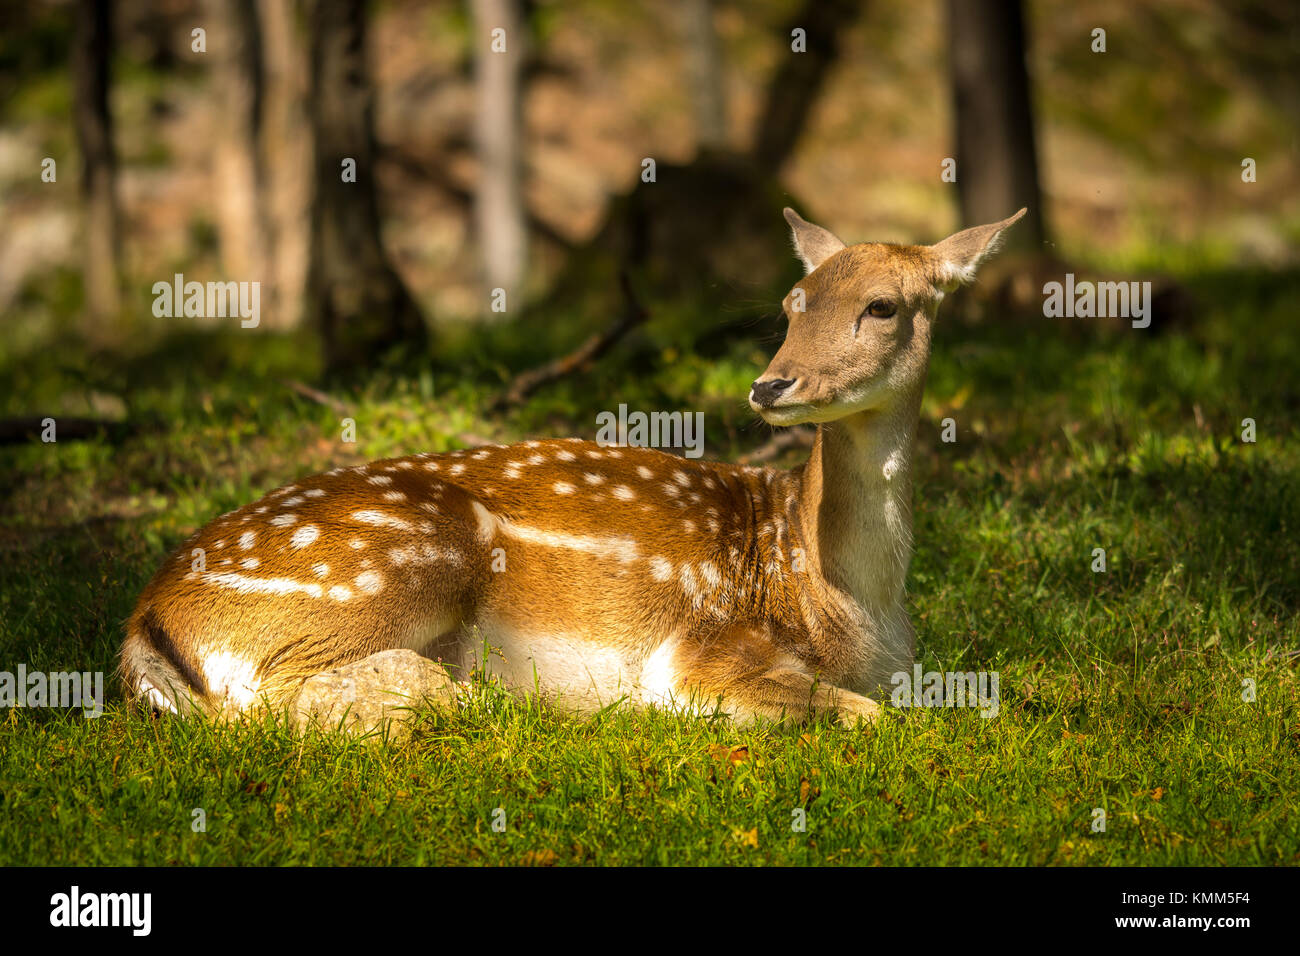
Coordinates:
column 595, row 573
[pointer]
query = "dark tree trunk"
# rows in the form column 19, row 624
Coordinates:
column 91, row 48
column 792, row 92
column 359, row 303
column 997, row 165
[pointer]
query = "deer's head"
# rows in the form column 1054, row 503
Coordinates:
column 858, row 331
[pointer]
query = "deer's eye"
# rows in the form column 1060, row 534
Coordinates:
column 881, row 308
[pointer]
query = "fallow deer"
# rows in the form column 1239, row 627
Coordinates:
column 594, row 573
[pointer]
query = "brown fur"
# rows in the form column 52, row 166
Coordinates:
column 594, row 571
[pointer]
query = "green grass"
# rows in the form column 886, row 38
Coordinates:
column 1120, row 690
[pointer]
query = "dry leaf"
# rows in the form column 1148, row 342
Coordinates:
column 807, row 791
column 722, row 752
column 728, row 756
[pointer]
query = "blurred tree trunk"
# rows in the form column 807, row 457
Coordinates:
column 358, row 302
column 286, row 162
column 793, row 90
column 706, row 74
column 498, row 132
column 237, row 54
column 92, row 45
column 997, row 166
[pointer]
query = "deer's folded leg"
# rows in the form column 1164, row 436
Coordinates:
column 747, row 670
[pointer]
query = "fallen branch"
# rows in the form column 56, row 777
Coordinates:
column 782, row 441
column 525, row 383
column 317, row 396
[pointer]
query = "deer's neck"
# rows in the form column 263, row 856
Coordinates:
column 856, row 503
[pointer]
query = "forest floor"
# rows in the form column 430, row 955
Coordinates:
column 1158, row 696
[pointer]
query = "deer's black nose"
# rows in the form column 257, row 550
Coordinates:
column 765, row 393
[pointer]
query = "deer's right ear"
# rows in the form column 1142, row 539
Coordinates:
column 812, row 244
column 958, row 257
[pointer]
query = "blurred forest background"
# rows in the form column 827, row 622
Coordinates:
column 522, row 171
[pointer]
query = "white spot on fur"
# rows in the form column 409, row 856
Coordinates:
column 690, row 585
column 661, row 569
column 283, row 521
column 370, row 582
column 246, row 585
column 624, row 493
column 394, row 496
column 314, row 493
column 644, row 472
column 566, row 456
column 356, row 544
column 563, row 488
column 380, row 480
column 321, row 570
column 381, row 520
column 423, row 554
column 304, row 536
column 340, row 593
column 250, row 564
column 621, row 549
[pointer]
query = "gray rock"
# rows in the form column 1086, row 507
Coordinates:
column 363, row 696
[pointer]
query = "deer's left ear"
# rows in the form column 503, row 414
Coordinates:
column 812, row 244
column 958, row 258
